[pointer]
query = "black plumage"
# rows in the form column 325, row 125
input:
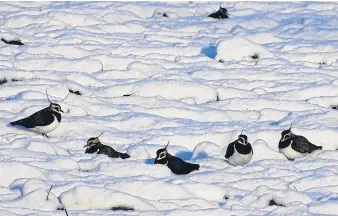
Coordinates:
column 299, row 144
column 222, row 13
column 12, row 42
column 175, row 164
column 94, row 145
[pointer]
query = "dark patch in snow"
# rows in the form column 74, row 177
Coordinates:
column 127, row 95
column 273, row 203
column 255, row 56
column 217, row 97
column 209, row 51
column 75, row 92
column 12, row 42
column 222, row 13
column 322, row 63
column 3, row 81
column 221, row 61
column 225, row 197
column 122, row 208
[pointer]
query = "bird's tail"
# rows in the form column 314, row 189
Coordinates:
column 18, row 122
column 197, row 166
column 124, row 155
column 314, row 148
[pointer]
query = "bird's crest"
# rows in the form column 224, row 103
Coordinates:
column 48, row 97
column 167, row 145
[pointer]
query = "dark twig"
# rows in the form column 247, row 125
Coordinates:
column 49, row 191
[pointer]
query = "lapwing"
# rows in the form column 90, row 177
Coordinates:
column 240, row 151
column 42, row 121
column 175, row 164
column 94, row 145
column 222, row 13
column 293, row 146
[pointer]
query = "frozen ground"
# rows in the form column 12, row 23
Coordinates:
column 191, row 80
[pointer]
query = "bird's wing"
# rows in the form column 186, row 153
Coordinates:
column 40, row 118
column 230, row 150
column 301, row 144
column 179, row 166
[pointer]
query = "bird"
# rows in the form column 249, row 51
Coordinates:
column 240, row 151
column 93, row 145
column 12, row 42
column 42, row 121
column 222, row 13
column 175, row 164
column 293, row 146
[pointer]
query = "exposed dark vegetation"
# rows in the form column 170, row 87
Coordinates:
column 334, row 106
column 4, row 80
column 225, row 197
column 221, row 61
column 217, row 98
column 12, row 42
column 255, row 56
column 122, row 208
column 74, row 92
column 127, row 95
column 60, row 208
column 49, row 191
column 164, row 14
column 322, row 63
column 273, row 203
column 222, row 13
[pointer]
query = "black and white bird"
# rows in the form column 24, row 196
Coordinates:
column 94, row 145
column 175, row 164
column 293, row 146
column 222, row 13
column 240, row 151
column 42, row 121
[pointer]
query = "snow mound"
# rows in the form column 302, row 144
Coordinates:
column 205, row 150
column 170, row 89
column 36, row 199
column 85, row 198
column 239, row 48
column 11, row 171
column 262, row 151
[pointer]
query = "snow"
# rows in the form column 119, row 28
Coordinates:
column 150, row 72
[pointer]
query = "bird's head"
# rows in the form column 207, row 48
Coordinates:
column 93, row 141
column 54, row 106
column 162, row 155
column 243, row 139
column 286, row 134
column 223, row 10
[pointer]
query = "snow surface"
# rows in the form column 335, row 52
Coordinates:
column 146, row 78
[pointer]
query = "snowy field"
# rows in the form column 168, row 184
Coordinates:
column 149, row 72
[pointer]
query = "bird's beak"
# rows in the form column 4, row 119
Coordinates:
column 61, row 110
column 85, row 145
